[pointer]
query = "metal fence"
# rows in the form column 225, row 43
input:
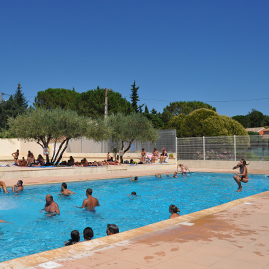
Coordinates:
column 226, row 148
column 167, row 140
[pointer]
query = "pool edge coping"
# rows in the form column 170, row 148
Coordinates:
column 86, row 248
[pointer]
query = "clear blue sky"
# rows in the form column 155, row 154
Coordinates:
column 176, row 50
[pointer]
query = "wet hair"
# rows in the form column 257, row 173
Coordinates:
column 133, row 193
column 143, row 149
column 135, row 178
column 113, row 228
column 173, row 209
column 89, row 191
column 75, row 236
column 88, row 233
column 244, row 162
column 20, row 181
column 64, row 185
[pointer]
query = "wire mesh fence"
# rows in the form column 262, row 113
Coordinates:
column 167, row 140
column 226, row 148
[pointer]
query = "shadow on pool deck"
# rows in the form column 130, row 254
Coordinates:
column 233, row 235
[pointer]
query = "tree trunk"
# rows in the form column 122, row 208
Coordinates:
column 65, row 147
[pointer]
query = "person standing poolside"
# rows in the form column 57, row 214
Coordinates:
column 3, row 185
column 90, row 203
column 18, row 186
column 16, row 156
column 88, row 234
column 51, row 206
column 64, row 190
column 243, row 175
column 174, row 211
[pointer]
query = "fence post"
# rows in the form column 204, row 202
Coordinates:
column 235, row 147
column 204, row 147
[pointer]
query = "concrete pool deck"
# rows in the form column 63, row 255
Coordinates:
column 232, row 235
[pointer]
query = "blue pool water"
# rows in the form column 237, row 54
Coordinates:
column 32, row 232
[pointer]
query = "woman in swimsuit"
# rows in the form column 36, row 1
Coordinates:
column 155, row 155
column 16, row 156
column 243, row 175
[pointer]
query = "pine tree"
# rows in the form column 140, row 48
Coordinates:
column 146, row 109
column 19, row 97
column 135, row 97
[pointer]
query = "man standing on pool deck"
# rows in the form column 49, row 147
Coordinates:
column 51, row 206
column 90, row 203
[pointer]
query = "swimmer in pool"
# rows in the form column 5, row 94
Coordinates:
column 184, row 169
column 174, row 211
column 3, row 185
column 75, row 237
column 88, row 234
column 18, row 186
column 65, row 191
column 175, row 174
column 243, row 175
column 90, row 203
column 135, row 178
column 132, row 194
column 159, row 176
column 51, row 206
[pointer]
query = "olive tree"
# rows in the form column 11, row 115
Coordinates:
column 127, row 128
column 45, row 126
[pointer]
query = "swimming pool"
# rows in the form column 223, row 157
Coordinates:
column 33, row 232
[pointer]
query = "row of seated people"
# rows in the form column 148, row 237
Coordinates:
column 145, row 157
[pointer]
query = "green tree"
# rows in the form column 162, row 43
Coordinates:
column 256, row 118
column 19, row 98
column 92, row 103
column 58, row 124
column 156, row 120
column 129, row 128
column 175, row 123
column 135, row 99
column 146, row 109
column 57, row 98
column 205, row 122
column 243, row 119
column 176, row 108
